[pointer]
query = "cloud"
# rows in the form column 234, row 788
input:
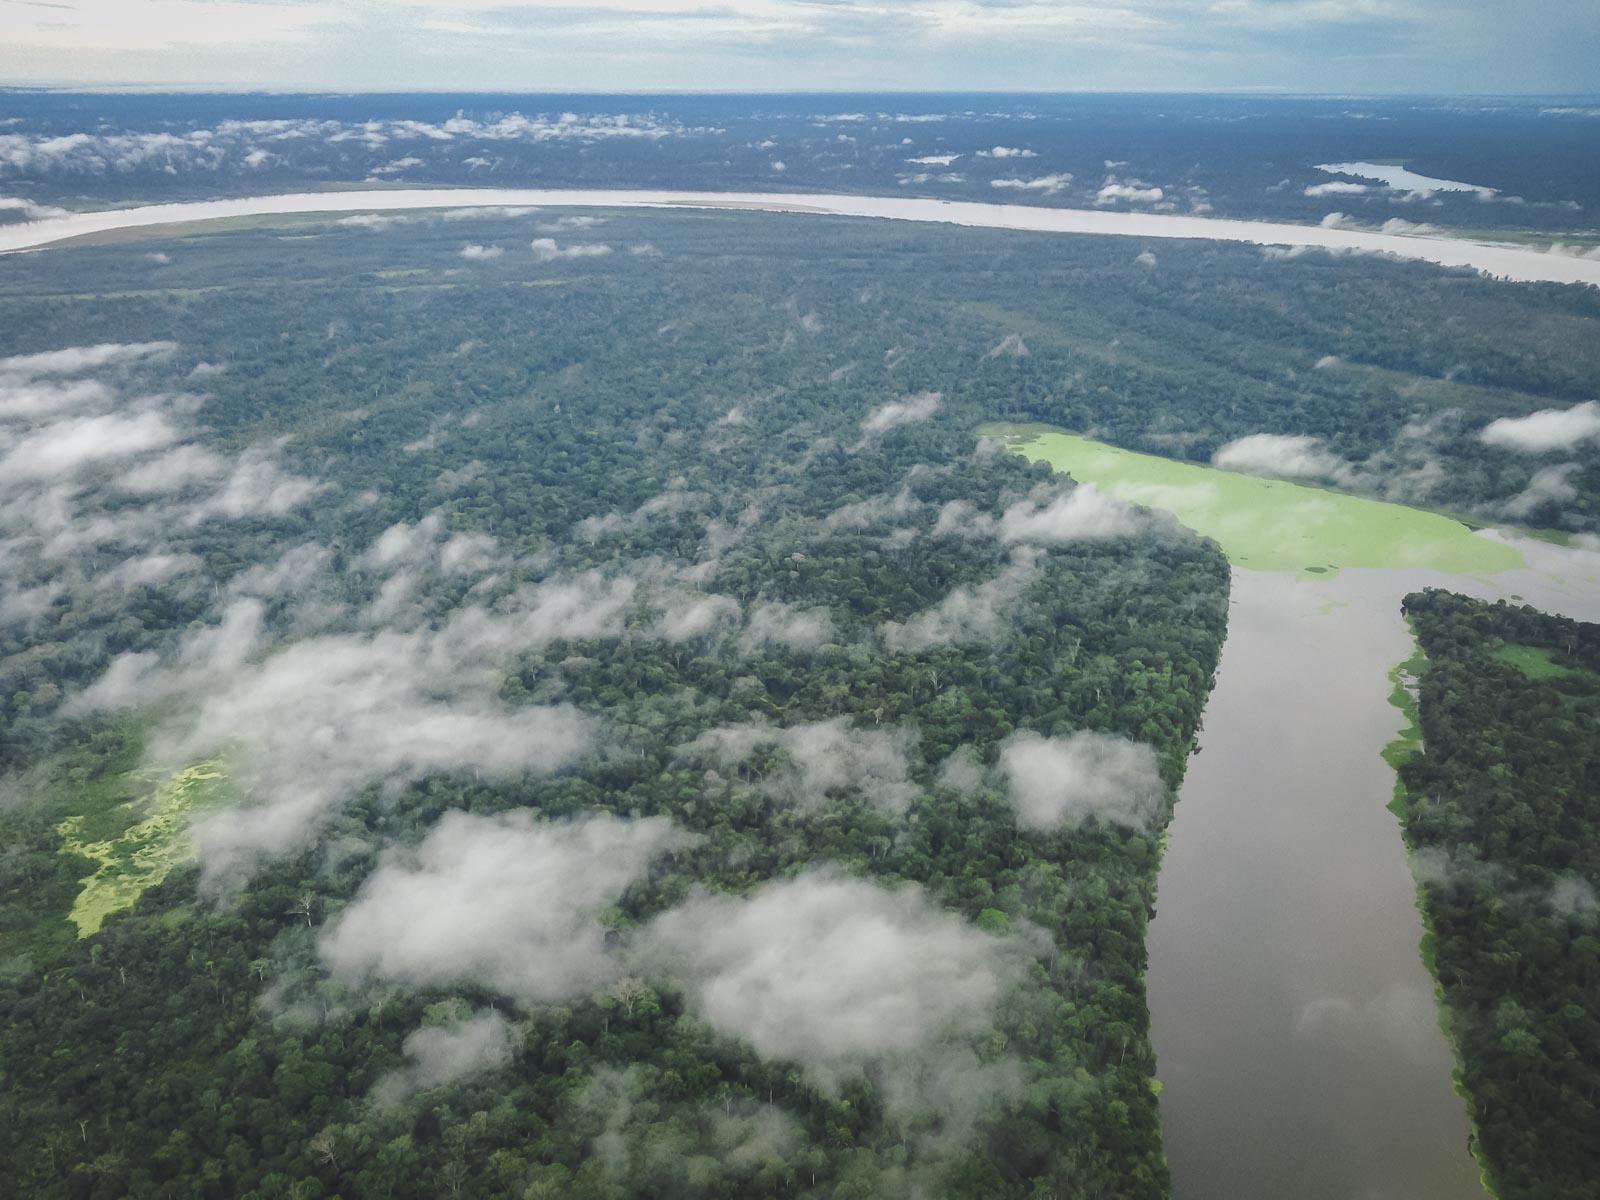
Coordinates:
column 307, row 727
column 1286, row 456
column 875, row 510
column 1010, row 346
column 29, row 210
column 1065, row 781
column 69, row 445
column 1049, row 185
column 441, row 1055
column 1337, row 188
column 934, row 160
column 1548, row 487
column 788, row 626
column 373, row 221
column 1326, row 362
column 836, row 974
column 969, row 614
column 480, row 253
column 1546, row 430
column 908, row 410
column 561, row 224
column 689, row 615
column 546, row 250
column 1133, row 193
column 241, row 144
column 1145, row 258
column 1047, row 516
column 1007, row 152
column 506, row 902
column 817, row 760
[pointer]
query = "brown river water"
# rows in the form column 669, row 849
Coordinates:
column 1294, row 1023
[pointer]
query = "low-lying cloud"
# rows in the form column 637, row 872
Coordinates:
column 1054, row 782
column 1048, row 516
column 908, row 410
column 1285, row 456
column 838, row 974
column 507, row 902
column 1546, row 430
column 817, row 760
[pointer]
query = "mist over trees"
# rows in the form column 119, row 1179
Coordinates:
column 574, row 630
column 588, row 823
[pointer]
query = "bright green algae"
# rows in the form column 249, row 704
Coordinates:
column 143, row 854
column 1268, row 524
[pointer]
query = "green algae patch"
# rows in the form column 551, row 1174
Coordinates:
column 1267, row 524
column 145, row 853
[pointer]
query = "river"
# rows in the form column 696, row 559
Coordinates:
column 1522, row 263
column 1293, row 1020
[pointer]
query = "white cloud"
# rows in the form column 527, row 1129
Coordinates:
column 1546, row 430
column 508, row 902
column 934, row 160
column 74, row 360
column 546, row 250
column 1049, row 185
column 1010, row 346
column 1007, row 152
column 908, row 410
column 29, row 210
column 1047, row 517
column 788, row 626
column 969, row 614
column 836, row 974
column 1287, row 456
column 1111, row 192
column 1549, row 486
column 480, row 253
column 441, row 1055
column 819, row 759
column 307, row 727
column 1337, row 188
column 1065, row 781
column 67, row 446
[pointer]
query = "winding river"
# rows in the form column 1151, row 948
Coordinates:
column 1292, row 1016
column 1508, row 262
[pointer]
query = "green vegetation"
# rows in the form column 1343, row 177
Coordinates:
column 145, row 853
column 1267, row 524
column 1405, row 679
column 685, row 416
column 200, row 1046
column 1504, row 826
column 1536, row 662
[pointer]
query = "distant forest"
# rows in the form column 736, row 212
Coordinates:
column 1503, row 816
column 1253, row 157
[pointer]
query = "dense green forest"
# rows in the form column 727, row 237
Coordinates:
column 1503, row 815
column 637, row 740
column 598, row 614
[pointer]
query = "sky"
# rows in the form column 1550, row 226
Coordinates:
column 1361, row 46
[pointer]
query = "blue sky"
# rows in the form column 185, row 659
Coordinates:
column 1366, row 46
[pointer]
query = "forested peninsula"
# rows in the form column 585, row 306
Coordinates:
column 1502, row 811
